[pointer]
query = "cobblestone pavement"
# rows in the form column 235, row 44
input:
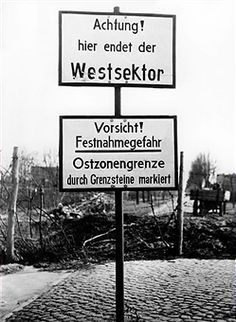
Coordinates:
column 178, row 290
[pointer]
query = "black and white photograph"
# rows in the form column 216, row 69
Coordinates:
column 117, row 161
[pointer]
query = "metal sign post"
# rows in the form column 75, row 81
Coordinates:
column 119, row 227
column 119, row 257
column 119, row 234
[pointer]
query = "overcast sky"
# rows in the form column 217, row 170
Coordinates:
column 203, row 100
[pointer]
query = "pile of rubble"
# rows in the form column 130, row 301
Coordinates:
column 98, row 203
column 210, row 236
column 88, row 231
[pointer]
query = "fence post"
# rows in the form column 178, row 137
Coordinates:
column 180, row 208
column 12, row 206
column 137, row 197
column 41, row 195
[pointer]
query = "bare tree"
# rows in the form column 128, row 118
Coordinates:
column 202, row 169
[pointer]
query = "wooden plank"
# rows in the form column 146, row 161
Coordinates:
column 207, row 195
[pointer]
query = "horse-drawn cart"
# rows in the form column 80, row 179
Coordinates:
column 206, row 200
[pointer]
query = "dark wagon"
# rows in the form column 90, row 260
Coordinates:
column 206, row 200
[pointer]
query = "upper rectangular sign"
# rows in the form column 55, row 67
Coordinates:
column 103, row 153
column 110, row 49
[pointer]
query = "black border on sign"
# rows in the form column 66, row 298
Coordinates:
column 61, row 83
column 62, row 117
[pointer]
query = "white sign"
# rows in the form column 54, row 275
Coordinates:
column 116, row 49
column 102, row 153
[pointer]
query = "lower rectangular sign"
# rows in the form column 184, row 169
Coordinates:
column 107, row 153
